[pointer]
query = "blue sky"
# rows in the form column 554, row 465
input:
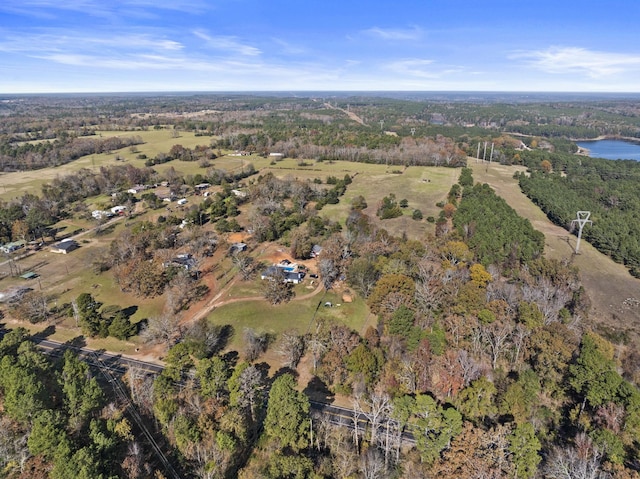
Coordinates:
column 259, row 45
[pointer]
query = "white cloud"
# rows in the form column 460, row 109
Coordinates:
column 99, row 8
column 78, row 43
column 289, row 48
column 227, row 44
column 410, row 34
column 413, row 67
column 594, row 64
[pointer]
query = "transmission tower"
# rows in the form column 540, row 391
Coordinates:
column 413, row 131
column 581, row 220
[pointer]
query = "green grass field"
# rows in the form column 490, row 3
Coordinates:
column 298, row 315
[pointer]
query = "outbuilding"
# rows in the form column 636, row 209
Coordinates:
column 65, row 246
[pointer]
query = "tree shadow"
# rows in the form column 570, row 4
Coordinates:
column 77, row 342
column 231, row 358
column 285, row 370
column 226, row 333
column 129, row 311
column 317, row 390
column 44, row 334
column 104, row 230
column 111, row 361
column 263, row 368
column 142, row 325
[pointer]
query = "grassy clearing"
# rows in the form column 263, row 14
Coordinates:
column 297, row 315
column 155, row 141
column 423, row 187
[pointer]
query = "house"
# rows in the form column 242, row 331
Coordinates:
column 118, row 210
column 11, row 247
column 289, row 272
column 294, row 277
column 315, row 251
column 65, row 246
column 185, row 261
column 237, row 248
column 136, row 189
column 99, row 214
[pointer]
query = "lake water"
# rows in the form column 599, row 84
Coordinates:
column 612, row 149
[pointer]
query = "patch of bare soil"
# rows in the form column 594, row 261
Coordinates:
column 614, row 293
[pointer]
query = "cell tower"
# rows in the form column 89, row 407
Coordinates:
column 413, row 131
column 581, row 220
column 381, row 124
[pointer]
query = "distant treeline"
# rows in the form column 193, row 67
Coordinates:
column 33, row 156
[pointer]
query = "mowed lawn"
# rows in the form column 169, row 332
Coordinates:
column 298, row 315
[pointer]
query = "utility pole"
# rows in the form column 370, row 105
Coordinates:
column 581, row 220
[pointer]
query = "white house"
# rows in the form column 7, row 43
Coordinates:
column 136, row 189
column 99, row 214
column 118, row 210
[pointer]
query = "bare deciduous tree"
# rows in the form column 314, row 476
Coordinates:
column 291, row 348
column 245, row 264
column 164, row 328
column 372, row 464
column 276, row 289
column 569, row 463
column 254, row 344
